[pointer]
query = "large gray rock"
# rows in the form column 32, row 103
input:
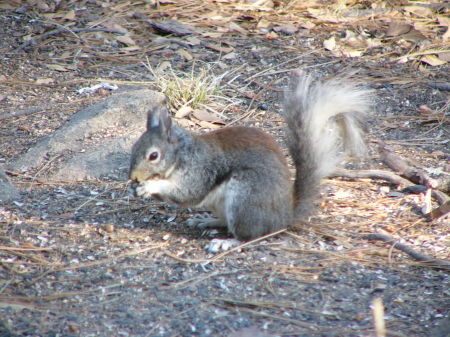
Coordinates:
column 95, row 142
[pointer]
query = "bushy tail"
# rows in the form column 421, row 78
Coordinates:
column 323, row 124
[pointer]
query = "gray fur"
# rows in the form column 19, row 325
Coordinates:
column 239, row 173
column 323, row 124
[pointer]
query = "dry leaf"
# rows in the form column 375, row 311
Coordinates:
column 70, row 15
column 263, row 24
column 415, row 36
column 204, row 115
column 163, row 66
column 183, row 111
column 271, row 36
column 193, row 40
column 446, row 35
column 208, row 125
column 44, row 81
column 126, row 39
column 173, row 27
column 397, row 28
column 308, row 25
column 185, row 54
column 432, row 60
column 235, row 27
column 112, row 25
column 330, row 44
column 213, row 35
column 229, row 56
column 421, row 11
column 287, row 29
column 423, row 109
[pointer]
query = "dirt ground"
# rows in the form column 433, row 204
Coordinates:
column 84, row 258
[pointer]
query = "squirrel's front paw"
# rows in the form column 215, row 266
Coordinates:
column 153, row 187
column 217, row 245
column 141, row 191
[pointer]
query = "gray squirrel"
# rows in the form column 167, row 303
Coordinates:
column 239, row 173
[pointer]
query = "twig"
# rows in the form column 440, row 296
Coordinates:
column 21, row 113
column 404, row 169
column 440, row 86
column 429, row 261
column 38, row 38
column 391, row 177
column 219, row 256
column 374, row 174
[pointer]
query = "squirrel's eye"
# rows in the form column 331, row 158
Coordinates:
column 153, row 156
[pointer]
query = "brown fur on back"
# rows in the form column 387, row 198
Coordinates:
column 241, row 138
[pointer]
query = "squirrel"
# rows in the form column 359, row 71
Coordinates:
column 240, row 173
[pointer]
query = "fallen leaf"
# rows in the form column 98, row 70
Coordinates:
column 193, row 40
column 185, row 54
column 208, row 125
column 287, row 29
column 44, row 81
column 330, row 44
column 213, row 35
column 70, row 15
column 173, row 27
column 126, row 39
column 163, row 66
column 432, row 60
column 271, row 36
column 229, row 56
column 414, row 36
column 112, row 25
column 183, row 111
column 235, row 27
column 308, row 25
column 204, row 115
column 263, row 24
column 421, row 11
column 397, row 28
column 423, row 109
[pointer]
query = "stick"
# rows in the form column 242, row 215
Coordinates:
column 429, row 261
column 404, row 169
column 440, row 86
column 35, row 39
column 374, row 174
column 391, row 177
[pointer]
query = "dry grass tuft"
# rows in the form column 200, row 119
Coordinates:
column 195, row 89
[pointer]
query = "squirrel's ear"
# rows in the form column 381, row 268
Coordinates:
column 158, row 119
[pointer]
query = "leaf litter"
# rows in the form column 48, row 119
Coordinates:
column 85, row 258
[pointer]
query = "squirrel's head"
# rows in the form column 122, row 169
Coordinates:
column 153, row 156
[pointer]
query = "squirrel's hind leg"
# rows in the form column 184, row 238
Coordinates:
column 251, row 211
column 206, row 221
